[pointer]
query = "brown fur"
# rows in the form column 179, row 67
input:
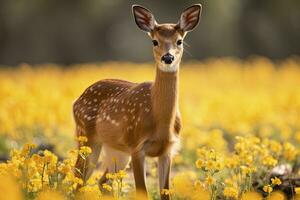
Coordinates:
column 128, row 117
column 167, row 35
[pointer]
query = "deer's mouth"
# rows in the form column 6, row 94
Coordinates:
column 168, row 67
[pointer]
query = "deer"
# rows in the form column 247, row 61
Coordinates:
column 130, row 121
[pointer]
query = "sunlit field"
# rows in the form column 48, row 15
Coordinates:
column 241, row 122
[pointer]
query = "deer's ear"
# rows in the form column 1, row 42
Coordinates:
column 190, row 18
column 143, row 18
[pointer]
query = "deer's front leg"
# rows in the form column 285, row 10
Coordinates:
column 164, row 168
column 138, row 164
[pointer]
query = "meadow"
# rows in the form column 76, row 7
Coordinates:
column 241, row 121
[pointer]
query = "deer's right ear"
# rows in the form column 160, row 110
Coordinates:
column 143, row 18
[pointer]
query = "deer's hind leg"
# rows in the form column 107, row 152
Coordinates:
column 85, row 165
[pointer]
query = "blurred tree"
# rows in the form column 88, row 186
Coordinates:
column 70, row 31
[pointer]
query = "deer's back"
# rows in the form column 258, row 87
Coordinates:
column 86, row 107
column 111, row 102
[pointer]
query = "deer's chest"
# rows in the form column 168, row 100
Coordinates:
column 160, row 146
column 160, row 140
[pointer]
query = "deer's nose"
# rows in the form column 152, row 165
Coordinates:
column 167, row 58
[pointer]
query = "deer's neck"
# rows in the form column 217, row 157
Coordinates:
column 165, row 99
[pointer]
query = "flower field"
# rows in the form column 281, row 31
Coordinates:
column 241, row 129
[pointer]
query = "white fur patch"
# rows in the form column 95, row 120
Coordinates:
column 176, row 146
column 112, row 159
column 168, row 68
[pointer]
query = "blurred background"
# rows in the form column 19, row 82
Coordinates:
column 75, row 31
column 229, row 99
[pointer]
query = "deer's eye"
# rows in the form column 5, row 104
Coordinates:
column 155, row 43
column 179, row 42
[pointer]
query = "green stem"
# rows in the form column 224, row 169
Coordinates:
column 44, row 166
column 83, row 173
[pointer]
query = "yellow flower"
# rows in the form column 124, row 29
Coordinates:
column 248, row 159
column 232, row 162
column 209, row 180
column 267, row 189
column 202, row 152
column 230, row 181
column 167, row 192
column 90, row 192
column 122, row 174
column 199, row 163
column 49, row 157
column 218, row 166
column 209, row 165
column 270, row 161
column 276, row 181
column 107, row 187
column 275, row 146
column 78, row 180
column 27, row 148
column 63, row 168
column 111, row 176
column 246, row 170
column 85, row 150
column 35, row 184
column 82, row 139
column 231, row 192
column 289, row 151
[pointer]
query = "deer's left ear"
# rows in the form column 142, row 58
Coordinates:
column 190, row 17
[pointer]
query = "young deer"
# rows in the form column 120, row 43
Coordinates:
column 133, row 120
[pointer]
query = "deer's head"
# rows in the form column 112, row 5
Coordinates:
column 168, row 38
